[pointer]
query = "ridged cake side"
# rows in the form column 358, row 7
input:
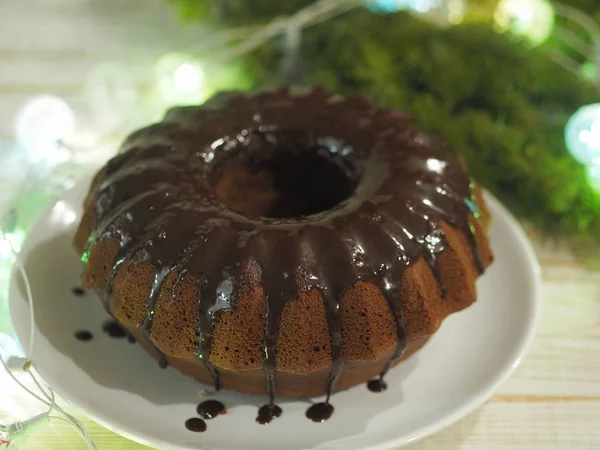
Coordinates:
column 339, row 294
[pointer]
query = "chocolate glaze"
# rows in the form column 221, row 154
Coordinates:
column 78, row 291
column 83, row 335
column 157, row 200
column 114, row 329
column 162, row 362
column 377, row 385
column 267, row 413
column 320, row 412
column 196, row 425
column 211, row 409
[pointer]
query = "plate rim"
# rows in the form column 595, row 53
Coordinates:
column 513, row 361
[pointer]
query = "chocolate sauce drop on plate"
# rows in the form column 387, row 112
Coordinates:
column 320, row 412
column 211, row 409
column 267, row 413
column 114, row 330
column 377, row 385
column 83, row 335
column 130, row 338
column 162, row 362
column 78, row 291
column 196, row 425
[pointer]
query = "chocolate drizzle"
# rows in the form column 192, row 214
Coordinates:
column 114, row 330
column 267, row 413
column 83, row 335
column 78, row 291
column 390, row 187
column 320, row 412
column 210, row 409
column 162, row 362
column 196, row 425
column 159, row 277
column 377, row 385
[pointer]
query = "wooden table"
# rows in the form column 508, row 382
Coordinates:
column 553, row 399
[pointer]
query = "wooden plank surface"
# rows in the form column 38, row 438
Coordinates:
column 553, row 399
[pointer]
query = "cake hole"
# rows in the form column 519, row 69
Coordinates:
column 282, row 173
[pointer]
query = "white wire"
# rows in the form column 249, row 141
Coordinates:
column 581, row 18
column 279, row 25
column 574, row 41
column 47, row 392
column 16, row 380
column 588, row 24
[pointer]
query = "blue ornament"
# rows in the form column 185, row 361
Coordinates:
column 582, row 135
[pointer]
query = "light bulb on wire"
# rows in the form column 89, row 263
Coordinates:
column 42, row 123
column 181, row 79
column 9, row 347
column 389, row 6
column 582, row 135
column 589, row 70
column 452, row 11
column 593, row 176
column 10, row 241
column 533, row 19
column 386, row 6
column 112, row 95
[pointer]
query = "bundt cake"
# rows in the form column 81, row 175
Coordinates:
column 288, row 242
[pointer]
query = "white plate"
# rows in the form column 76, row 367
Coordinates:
column 122, row 388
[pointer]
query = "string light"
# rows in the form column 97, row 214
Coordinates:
column 8, row 346
column 452, row 11
column 456, row 10
column 112, row 93
column 389, row 6
column 593, row 176
column 582, row 135
column 589, row 70
column 42, row 123
column 180, row 79
column 385, row 6
column 17, row 432
column 533, row 19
